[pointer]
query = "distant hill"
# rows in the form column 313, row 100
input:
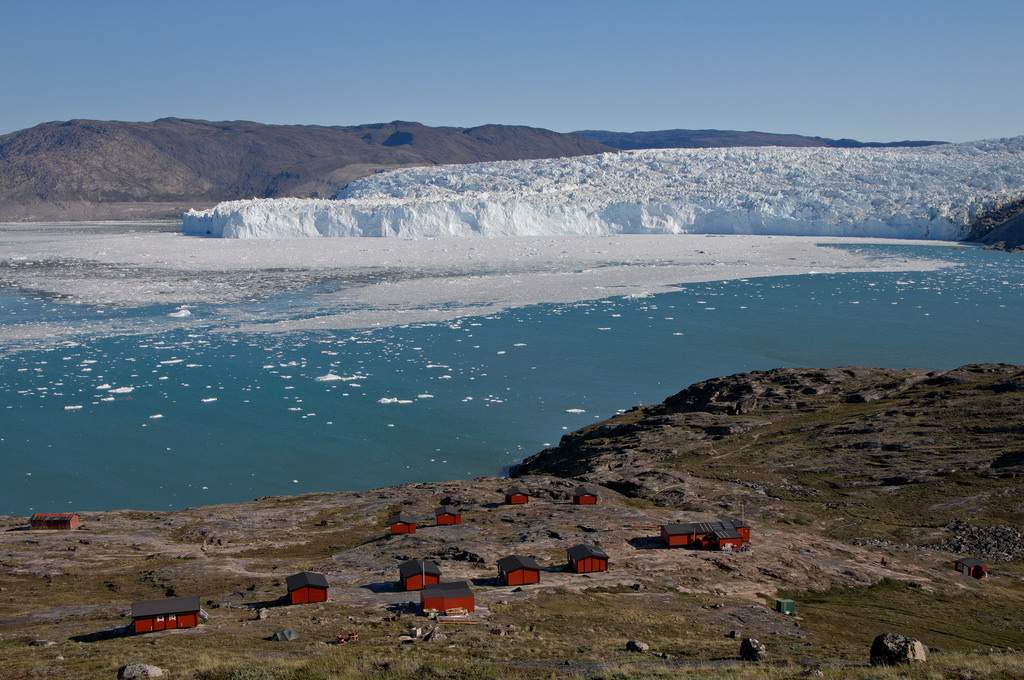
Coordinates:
column 85, row 169
column 699, row 139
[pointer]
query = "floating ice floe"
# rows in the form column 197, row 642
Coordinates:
column 329, row 377
column 181, row 313
column 121, row 390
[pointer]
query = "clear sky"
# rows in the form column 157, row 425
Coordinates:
column 870, row 70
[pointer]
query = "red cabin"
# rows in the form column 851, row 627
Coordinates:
column 445, row 596
column 173, row 612
column 448, row 515
column 306, row 586
column 585, row 495
column 706, row 535
column 402, row 523
column 418, row 574
column 53, row 520
column 516, row 495
column 586, row 558
column 516, row 570
column 971, row 566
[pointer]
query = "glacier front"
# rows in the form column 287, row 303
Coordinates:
column 928, row 192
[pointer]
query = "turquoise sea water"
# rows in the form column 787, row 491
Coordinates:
column 174, row 419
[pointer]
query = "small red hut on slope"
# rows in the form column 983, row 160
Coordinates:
column 53, row 520
column 402, row 523
column 587, row 558
column 517, row 570
column 585, row 495
column 448, row 515
column 516, row 495
column 445, row 596
column 306, row 586
column 172, row 612
column 418, row 574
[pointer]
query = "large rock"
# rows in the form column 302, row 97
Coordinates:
column 891, row 649
column 637, row 646
column 753, row 650
column 138, row 671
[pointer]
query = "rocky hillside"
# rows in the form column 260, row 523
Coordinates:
column 84, row 169
column 1002, row 228
column 897, row 453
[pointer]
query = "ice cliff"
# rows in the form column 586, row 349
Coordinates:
column 926, row 192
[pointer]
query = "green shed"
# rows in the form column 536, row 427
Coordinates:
column 785, row 606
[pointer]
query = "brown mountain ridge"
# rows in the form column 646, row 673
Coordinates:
column 85, row 169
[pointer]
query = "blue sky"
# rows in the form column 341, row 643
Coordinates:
column 874, row 71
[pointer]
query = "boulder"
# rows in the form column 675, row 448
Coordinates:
column 891, row 649
column 139, row 671
column 434, row 635
column 753, row 650
column 637, row 646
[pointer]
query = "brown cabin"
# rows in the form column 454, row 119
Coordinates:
column 53, row 520
column 172, row 612
column 517, row 570
column 445, row 596
column 402, row 523
column 418, row 574
column 448, row 515
column 725, row 535
column 516, row 495
column 971, row 566
column 585, row 495
column 586, row 558
column 306, row 586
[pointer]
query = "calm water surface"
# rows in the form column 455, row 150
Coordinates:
column 174, row 419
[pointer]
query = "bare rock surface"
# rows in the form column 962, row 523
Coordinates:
column 891, row 649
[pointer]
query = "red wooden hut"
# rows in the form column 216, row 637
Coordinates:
column 971, row 566
column 53, row 520
column 517, row 570
column 402, row 523
column 445, row 596
column 706, row 535
column 448, row 515
column 516, row 495
column 586, row 558
column 306, row 586
column 172, row 612
column 418, row 574
column 585, row 495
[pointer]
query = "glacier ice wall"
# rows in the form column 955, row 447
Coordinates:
column 925, row 192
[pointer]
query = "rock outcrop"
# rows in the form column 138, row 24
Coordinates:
column 891, row 649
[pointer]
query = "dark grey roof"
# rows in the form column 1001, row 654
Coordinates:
column 401, row 517
column 698, row 528
column 726, row 534
column 970, row 562
column 304, row 579
column 583, row 551
column 413, row 567
column 514, row 562
column 512, row 490
column 446, row 510
column 450, row 589
column 171, row 605
column 586, row 491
